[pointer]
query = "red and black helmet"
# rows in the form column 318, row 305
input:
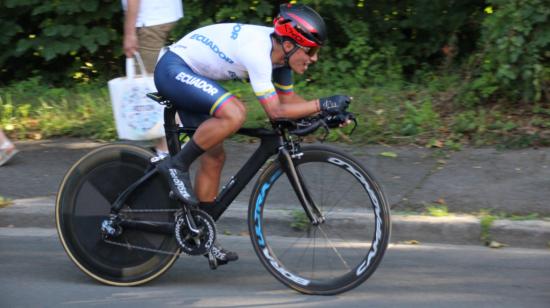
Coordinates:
column 301, row 24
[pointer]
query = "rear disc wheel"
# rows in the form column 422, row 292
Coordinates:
column 84, row 201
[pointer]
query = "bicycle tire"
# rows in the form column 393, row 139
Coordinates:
column 84, row 200
column 352, row 240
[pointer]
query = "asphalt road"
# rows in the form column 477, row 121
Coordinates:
column 37, row 273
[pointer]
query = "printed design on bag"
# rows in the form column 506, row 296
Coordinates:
column 141, row 113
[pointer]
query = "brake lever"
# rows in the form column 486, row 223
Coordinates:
column 327, row 130
column 354, row 124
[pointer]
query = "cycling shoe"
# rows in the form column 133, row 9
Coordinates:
column 179, row 182
column 220, row 256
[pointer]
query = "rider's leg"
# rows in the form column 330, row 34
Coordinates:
column 227, row 120
column 207, row 179
column 209, row 136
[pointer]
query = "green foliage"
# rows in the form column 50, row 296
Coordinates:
column 469, row 122
column 368, row 42
column 300, row 221
column 513, row 57
column 418, row 119
column 5, row 201
column 486, row 221
column 437, row 210
column 492, row 50
column 60, row 40
column 84, row 111
column 389, row 114
column 421, row 30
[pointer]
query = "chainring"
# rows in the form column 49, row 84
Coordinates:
column 201, row 244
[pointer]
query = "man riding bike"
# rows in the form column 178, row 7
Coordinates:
column 186, row 76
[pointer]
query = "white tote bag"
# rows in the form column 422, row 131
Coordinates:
column 136, row 116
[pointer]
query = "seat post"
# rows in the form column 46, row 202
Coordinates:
column 171, row 129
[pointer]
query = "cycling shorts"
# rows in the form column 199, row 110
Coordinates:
column 195, row 97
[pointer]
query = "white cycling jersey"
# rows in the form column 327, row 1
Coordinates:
column 230, row 51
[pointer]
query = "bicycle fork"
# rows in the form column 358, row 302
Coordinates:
column 297, row 181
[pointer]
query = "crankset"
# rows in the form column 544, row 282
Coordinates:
column 195, row 232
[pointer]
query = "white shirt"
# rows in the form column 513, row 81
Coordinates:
column 157, row 12
column 230, row 51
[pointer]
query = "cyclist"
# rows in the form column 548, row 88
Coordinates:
column 187, row 76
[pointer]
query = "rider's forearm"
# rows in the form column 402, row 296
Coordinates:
column 275, row 109
column 292, row 98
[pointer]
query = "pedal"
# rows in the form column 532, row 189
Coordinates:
column 212, row 261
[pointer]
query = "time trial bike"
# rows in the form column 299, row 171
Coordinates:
column 318, row 220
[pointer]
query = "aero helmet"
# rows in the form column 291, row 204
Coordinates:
column 301, row 24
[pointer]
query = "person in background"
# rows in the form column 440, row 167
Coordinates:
column 7, row 149
column 147, row 24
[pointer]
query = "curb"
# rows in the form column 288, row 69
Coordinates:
column 454, row 229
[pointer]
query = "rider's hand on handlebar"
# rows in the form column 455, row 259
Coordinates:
column 334, row 104
column 339, row 120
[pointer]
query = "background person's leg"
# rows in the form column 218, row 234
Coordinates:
column 151, row 40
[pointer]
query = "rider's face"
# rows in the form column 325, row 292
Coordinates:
column 300, row 60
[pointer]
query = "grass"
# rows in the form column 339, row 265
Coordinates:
column 437, row 210
column 486, row 220
column 300, row 222
column 393, row 113
column 5, row 201
column 80, row 112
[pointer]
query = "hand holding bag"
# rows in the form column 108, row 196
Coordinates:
column 136, row 116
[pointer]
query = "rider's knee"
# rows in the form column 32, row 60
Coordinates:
column 242, row 113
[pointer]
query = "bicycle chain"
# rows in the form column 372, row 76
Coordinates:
column 128, row 245
column 141, row 248
column 149, row 211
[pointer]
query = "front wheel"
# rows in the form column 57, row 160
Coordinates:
column 336, row 255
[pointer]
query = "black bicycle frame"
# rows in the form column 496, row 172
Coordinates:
column 272, row 142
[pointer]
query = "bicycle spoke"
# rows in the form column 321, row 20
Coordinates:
column 294, row 243
column 313, row 257
column 350, row 246
column 339, row 200
column 334, row 249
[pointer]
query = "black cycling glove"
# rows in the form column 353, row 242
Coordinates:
column 334, row 104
